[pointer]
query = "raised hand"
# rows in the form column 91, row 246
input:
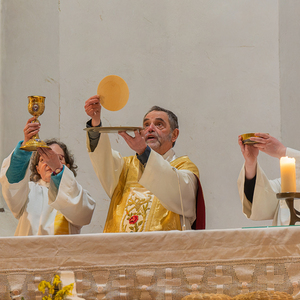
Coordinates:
column 30, row 129
column 50, row 157
column 93, row 109
column 269, row 145
column 136, row 143
column 250, row 154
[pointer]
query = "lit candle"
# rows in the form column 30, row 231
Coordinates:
column 288, row 174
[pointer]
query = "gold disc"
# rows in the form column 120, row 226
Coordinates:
column 113, row 92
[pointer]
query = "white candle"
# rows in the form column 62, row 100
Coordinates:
column 288, row 174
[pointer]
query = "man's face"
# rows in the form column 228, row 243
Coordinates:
column 158, row 133
column 43, row 169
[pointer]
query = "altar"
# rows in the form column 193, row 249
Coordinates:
column 155, row 265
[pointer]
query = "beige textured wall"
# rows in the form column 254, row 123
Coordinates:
column 289, row 47
column 30, row 66
column 216, row 64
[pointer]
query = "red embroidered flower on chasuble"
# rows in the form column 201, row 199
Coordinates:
column 133, row 219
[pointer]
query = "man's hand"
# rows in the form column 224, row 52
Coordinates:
column 136, row 143
column 93, row 109
column 50, row 157
column 30, row 129
column 269, row 145
column 250, row 154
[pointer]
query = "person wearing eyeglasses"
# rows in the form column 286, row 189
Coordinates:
column 41, row 191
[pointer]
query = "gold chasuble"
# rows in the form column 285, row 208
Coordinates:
column 134, row 208
column 61, row 225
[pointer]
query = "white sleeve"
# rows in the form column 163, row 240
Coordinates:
column 161, row 179
column 107, row 164
column 265, row 203
column 71, row 199
column 16, row 194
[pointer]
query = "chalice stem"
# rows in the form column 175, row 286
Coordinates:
column 36, row 136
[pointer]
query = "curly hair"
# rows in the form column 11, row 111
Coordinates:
column 69, row 158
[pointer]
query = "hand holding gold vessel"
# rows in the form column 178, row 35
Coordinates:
column 32, row 141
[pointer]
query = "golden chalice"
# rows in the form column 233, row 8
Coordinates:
column 36, row 107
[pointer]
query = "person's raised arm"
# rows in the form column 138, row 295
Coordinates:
column 269, row 145
column 265, row 143
column 30, row 129
column 250, row 154
column 93, row 109
column 14, row 175
column 20, row 159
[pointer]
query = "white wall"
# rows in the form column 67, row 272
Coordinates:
column 290, row 71
column 30, row 66
column 216, row 64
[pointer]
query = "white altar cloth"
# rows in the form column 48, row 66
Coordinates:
column 155, row 265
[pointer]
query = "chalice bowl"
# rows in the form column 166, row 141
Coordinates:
column 36, row 107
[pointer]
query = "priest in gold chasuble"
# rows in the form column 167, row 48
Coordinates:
column 152, row 190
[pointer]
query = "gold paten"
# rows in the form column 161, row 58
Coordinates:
column 153, row 216
column 114, row 129
column 36, row 107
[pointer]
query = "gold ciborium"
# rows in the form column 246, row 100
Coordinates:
column 36, row 107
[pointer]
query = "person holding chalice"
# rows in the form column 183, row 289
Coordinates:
column 41, row 190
